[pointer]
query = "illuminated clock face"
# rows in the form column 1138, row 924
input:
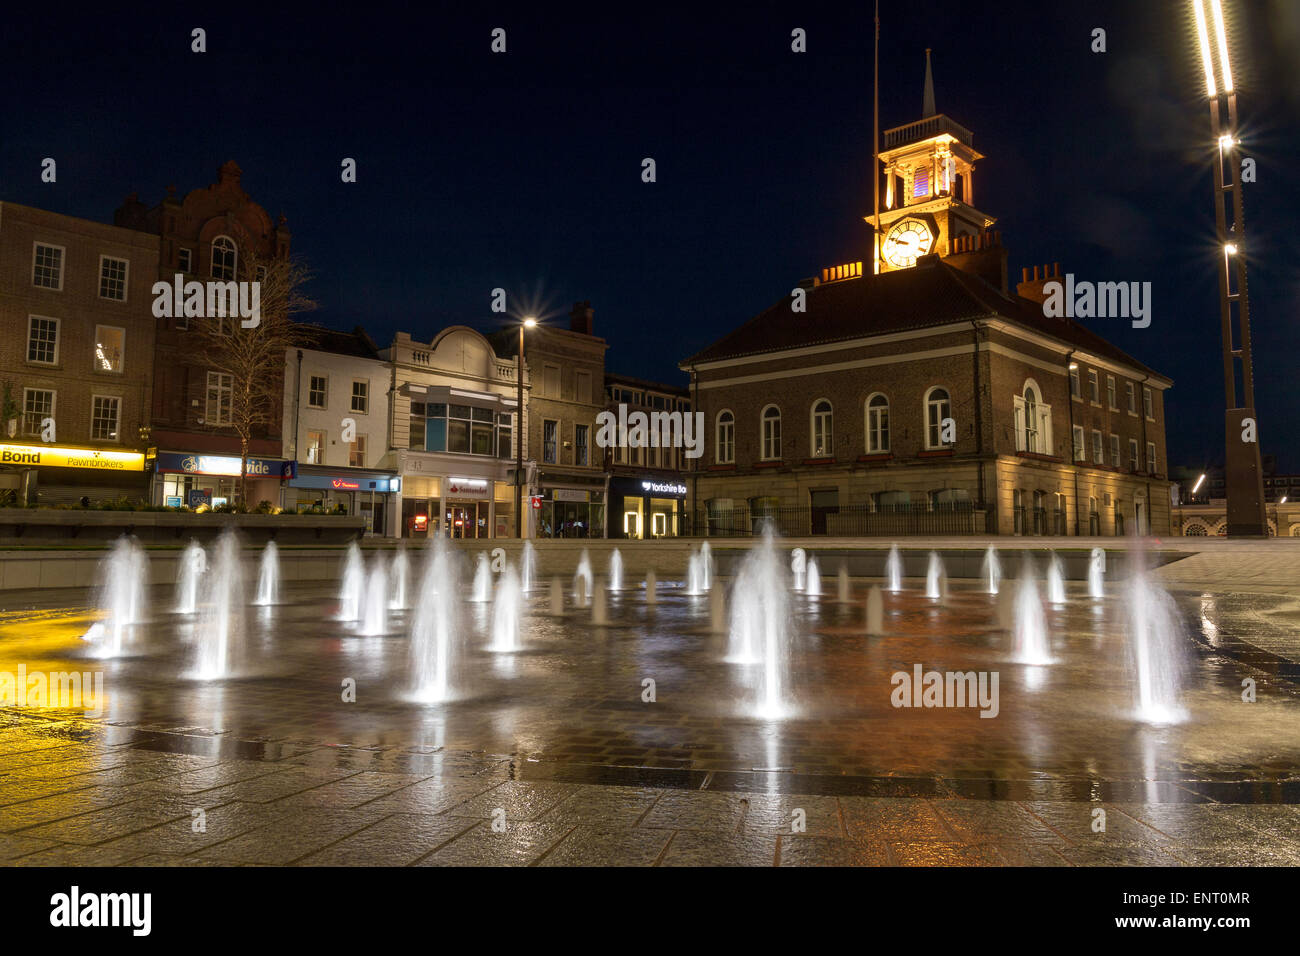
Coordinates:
column 905, row 242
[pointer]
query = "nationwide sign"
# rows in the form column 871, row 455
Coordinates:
column 223, row 465
column 50, row 456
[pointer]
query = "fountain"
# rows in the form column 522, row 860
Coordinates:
column 992, row 569
column 813, row 585
column 374, row 602
column 651, row 587
column 528, row 567
column 894, row 569
column 400, row 570
column 219, row 632
column 706, row 565
column 194, row 561
column 616, row 571
column 557, row 597
column 798, row 568
column 1097, row 574
column 506, row 613
column 354, row 584
column 268, row 577
column 436, row 631
column 599, row 611
column 699, row 573
column 1154, row 634
column 1029, row 644
column 842, row 592
column 1055, row 581
column 122, row 596
column 1006, row 609
column 875, row 612
column 934, row 577
column 761, row 625
column 481, row 592
column 582, row 579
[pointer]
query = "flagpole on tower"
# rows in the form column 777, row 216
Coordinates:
column 875, row 153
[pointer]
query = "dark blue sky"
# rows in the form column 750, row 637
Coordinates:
column 523, row 170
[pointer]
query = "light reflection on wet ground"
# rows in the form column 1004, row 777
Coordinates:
column 563, row 724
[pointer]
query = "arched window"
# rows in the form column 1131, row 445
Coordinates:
column 877, row 424
column 223, row 258
column 1033, row 420
column 821, row 430
column 771, row 433
column 726, row 437
column 938, row 406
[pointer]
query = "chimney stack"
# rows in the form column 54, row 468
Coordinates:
column 1033, row 279
column 582, row 318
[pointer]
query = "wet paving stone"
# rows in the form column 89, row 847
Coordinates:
column 398, row 840
column 519, row 801
column 519, row 844
column 893, row 819
column 800, row 850
column 946, row 854
column 608, row 846
column 703, row 848
column 698, row 810
column 180, row 836
column 610, row 807
column 297, row 835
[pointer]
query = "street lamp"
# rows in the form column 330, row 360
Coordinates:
column 528, row 323
column 1242, row 472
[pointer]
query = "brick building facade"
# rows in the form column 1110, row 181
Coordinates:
column 77, row 351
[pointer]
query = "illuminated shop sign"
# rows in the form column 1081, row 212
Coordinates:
column 223, row 465
column 50, row 456
column 467, row 486
column 380, row 484
column 663, row 488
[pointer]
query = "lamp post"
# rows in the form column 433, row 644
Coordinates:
column 528, row 323
column 1242, row 472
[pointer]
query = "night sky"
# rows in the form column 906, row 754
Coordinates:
column 523, row 170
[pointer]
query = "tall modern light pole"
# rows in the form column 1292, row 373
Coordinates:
column 1242, row 471
column 528, row 323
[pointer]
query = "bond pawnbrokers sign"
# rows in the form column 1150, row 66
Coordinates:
column 51, row 456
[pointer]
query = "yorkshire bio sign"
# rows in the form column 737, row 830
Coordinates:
column 50, row 456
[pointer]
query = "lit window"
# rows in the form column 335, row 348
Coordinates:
column 315, row 448
column 110, row 343
column 357, row 452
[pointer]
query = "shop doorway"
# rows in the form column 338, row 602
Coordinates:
column 467, row 519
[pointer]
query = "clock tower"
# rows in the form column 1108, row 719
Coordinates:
column 928, row 206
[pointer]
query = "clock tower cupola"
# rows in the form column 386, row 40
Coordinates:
column 928, row 206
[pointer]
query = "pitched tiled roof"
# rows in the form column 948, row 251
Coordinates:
column 928, row 295
column 356, row 343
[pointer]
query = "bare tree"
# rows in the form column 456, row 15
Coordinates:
column 252, row 352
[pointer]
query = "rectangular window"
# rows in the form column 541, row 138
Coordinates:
column 112, row 278
column 921, row 183
column 551, row 381
column 357, row 452
column 1148, row 404
column 361, row 396
column 1151, row 457
column 1111, row 399
column 38, row 405
column 1132, row 454
column 315, row 448
column 1080, row 452
column 1114, row 451
column 549, row 430
column 1132, row 397
column 1098, row 455
column 317, row 391
column 435, row 436
column 110, row 344
column 104, row 413
column 185, row 260
column 47, row 267
column 505, row 435
column 580, row 445
column 582, row 387
column 1075, row 391
column 43, row 340
column 1094, row 395
column 220, row 392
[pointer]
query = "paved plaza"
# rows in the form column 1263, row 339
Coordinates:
column 554, row 756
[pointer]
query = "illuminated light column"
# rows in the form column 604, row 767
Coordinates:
column 528, row 323
column 1242, row 471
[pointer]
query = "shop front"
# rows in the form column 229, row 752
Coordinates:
column 571, row 513
column 53, row 474
column 454, row 498
column 351, row 491
column 646, row 507
column 192, row 480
